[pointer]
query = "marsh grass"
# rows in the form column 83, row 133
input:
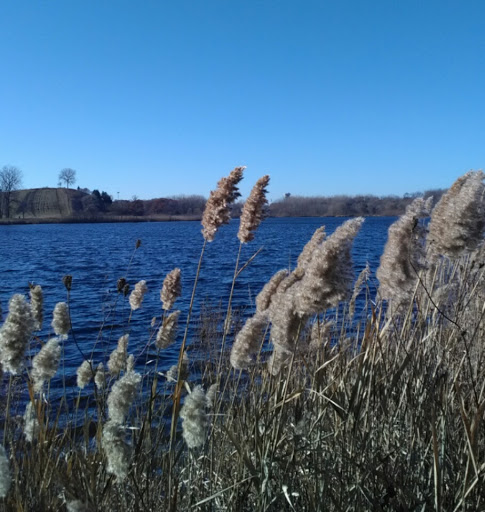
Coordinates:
column 375, row 408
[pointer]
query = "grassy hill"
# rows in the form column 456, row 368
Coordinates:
column 43, row 203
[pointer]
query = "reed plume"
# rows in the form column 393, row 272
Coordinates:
column 404, row 255
column 211, row 395
column 116, row 449
column 248, row 341
column 5, row 478
column 458, row 220
column 15, row 334
column 253, row 209
column 172, row 373
column 117, row 358
column 61, row 322
column 328, row 275
column 122, row 395
column 285, row 321
column 278, row 359
column 136, row 296
column 37, row 305
column 167, row 333
column 171, row 289
column 363, row 277
column 217, row 212
column 31, row 423
column 46, row 362
column 84, row 373
column 194, row 416
column 265, row 296
column 100, row 377
column 315, row 241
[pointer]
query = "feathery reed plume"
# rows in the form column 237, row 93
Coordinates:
column 211, row 395
column 307, row 252
column 117, row 358
column 100, row 377
column 363, row 277
column 46, row 362
column 136, row 296
column 122, row 395
column 130, row 363
column 265, row 296
column 328, row 275
column 76, row 506
column 285, row 322
column 253, row 209
column 61, row 322
column 403, row 255
column 168, row 331
column 172, row 374
column 248, row 341
column 458, row 220
column 194, row 416
column 5, row 478
column 278, row 359
column 171, row 289
column 37, row 305
column 15, row 334
column 31, row 423
column 84, row 373
column 216, row 212
column 116, row 449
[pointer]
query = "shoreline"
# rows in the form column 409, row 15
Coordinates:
column 151, row 218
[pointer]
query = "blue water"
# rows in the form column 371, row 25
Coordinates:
column 96, row 255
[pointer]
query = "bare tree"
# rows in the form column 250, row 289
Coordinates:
column 68, row 176
column 10, row 180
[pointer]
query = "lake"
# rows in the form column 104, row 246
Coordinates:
column 97, row 255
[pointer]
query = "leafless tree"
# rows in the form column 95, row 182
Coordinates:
column 68, row 176
column 10, row 180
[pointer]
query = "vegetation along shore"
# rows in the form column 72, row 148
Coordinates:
column 66, row 204
column 327, row 397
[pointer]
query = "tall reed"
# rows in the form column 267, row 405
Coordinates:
column 379, row 407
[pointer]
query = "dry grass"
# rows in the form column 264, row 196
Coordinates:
column 384, row 412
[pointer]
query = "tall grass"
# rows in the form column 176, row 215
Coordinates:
column 373, row 404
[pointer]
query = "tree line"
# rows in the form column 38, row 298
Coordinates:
column 97, row 202
column 346, row 206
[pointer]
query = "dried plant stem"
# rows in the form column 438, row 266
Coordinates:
column 178, row 386
column 228, row 313
column 7, row 409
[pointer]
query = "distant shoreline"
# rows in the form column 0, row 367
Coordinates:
column 100, row 219
column 151, row 218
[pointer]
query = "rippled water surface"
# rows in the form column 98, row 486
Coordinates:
column 96, row 255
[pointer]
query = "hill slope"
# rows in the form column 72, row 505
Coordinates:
column 46, row 203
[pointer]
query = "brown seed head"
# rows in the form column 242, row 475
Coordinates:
column 217, row 211
column 253, row 209
column 120, row 285
column 171, row 289
column 67, row 280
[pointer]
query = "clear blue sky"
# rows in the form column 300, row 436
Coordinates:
column 157, row 98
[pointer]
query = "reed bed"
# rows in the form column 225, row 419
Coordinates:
column 326, row 396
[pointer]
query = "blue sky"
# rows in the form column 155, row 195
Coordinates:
column 159, row 98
